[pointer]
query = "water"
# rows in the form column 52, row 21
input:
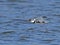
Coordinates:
column 15, row 30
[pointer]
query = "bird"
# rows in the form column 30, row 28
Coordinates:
column 38, row 20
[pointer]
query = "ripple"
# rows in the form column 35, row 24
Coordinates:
column 48, row 40
column 11, row 0
column 57, row 26
column 54, row 44
column 20, row 1
column 1, row 16
column 30, row 30
column 57, row 7
column 8, row 22
column 57, row 15
column 46, row 31
column 57, row 2
column 24, row 38
column 55, row 30
column 7, row 32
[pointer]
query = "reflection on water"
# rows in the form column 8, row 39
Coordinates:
column 15, row 29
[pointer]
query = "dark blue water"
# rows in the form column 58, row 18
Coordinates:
column 15, row 30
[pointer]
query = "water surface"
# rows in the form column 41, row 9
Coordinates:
column 15, row 30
